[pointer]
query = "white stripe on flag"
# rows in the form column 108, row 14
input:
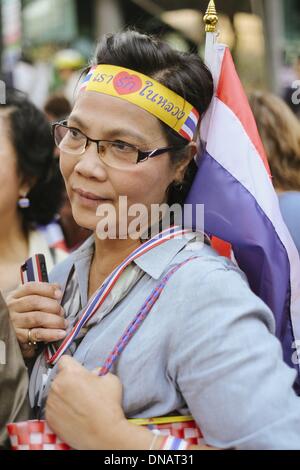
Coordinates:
column 35, row 269
column 194, row 118
column 188, row 131
column 214, row 55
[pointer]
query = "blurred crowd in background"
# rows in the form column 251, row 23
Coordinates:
column 43, row 43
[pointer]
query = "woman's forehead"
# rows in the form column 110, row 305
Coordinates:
column 96, row 111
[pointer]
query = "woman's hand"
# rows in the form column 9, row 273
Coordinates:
column 36, row 314
column 85, row 410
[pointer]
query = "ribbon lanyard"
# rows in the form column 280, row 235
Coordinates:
column 102, row 293
column 139, row 318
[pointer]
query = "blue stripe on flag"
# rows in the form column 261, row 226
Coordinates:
column 190, row 124
column 87, row 78
column 30, row 270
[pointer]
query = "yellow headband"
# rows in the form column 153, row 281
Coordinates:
column 146, row 93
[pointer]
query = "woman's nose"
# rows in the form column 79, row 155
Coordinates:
column 90, row 165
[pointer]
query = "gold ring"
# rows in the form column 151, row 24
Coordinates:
column 30, row 340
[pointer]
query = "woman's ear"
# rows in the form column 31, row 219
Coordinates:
column 191, row 151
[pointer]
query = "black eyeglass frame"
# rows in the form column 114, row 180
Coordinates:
column 142, row 155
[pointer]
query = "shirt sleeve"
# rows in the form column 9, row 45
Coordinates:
column 228, row 364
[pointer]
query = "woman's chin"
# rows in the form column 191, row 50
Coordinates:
column 86, row 221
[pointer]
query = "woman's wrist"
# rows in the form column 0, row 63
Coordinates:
column 128, row 436
column 133, row 437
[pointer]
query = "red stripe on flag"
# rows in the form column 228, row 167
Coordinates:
column 230, row 91
column 221, row 247
column 37, row 263
column 184, row 134
column 194, row 110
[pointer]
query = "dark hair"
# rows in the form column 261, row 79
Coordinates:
column 58, row 106
column 184, row 73
column 30, row 135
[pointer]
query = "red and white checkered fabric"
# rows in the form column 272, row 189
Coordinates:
column 189, row 431
column 34, row 435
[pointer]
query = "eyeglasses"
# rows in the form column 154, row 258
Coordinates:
column 117, row 154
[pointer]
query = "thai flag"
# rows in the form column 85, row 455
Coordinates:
column 31, row 270
column 189, row 127
column 240, row 204
column 87, row 78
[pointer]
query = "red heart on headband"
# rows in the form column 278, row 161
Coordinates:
column 125, row 83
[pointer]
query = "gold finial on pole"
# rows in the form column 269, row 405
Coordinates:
column 211, row 18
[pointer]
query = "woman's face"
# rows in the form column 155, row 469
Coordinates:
column 90, row 183
column 9, row 180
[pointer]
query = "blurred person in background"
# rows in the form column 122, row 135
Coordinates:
column 280, row 132
column 67, row 63
column 32, row 77
column 30, row 190
column 58, row 108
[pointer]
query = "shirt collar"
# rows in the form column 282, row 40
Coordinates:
column 154, row 262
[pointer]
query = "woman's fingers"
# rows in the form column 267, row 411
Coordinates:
column 35, row 307
column 44, row 289
column 43, row 326
column 36, row 302
column 40, row 335
column 39, row 320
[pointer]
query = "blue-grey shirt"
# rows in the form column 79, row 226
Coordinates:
column 207, row 348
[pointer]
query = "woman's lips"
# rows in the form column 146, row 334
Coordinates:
column 89, row 199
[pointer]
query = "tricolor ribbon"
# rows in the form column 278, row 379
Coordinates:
column 101, row 294
column 139, row 318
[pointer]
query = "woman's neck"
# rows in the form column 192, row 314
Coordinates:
column 74, row 234
column 110, row 253
column 107, row 256
column 13, row 252
column 13, row 240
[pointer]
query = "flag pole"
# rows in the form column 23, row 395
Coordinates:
column 211, row 20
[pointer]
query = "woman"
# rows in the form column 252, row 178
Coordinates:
column 206, row 346
column 280, row 132
column 29, row 186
